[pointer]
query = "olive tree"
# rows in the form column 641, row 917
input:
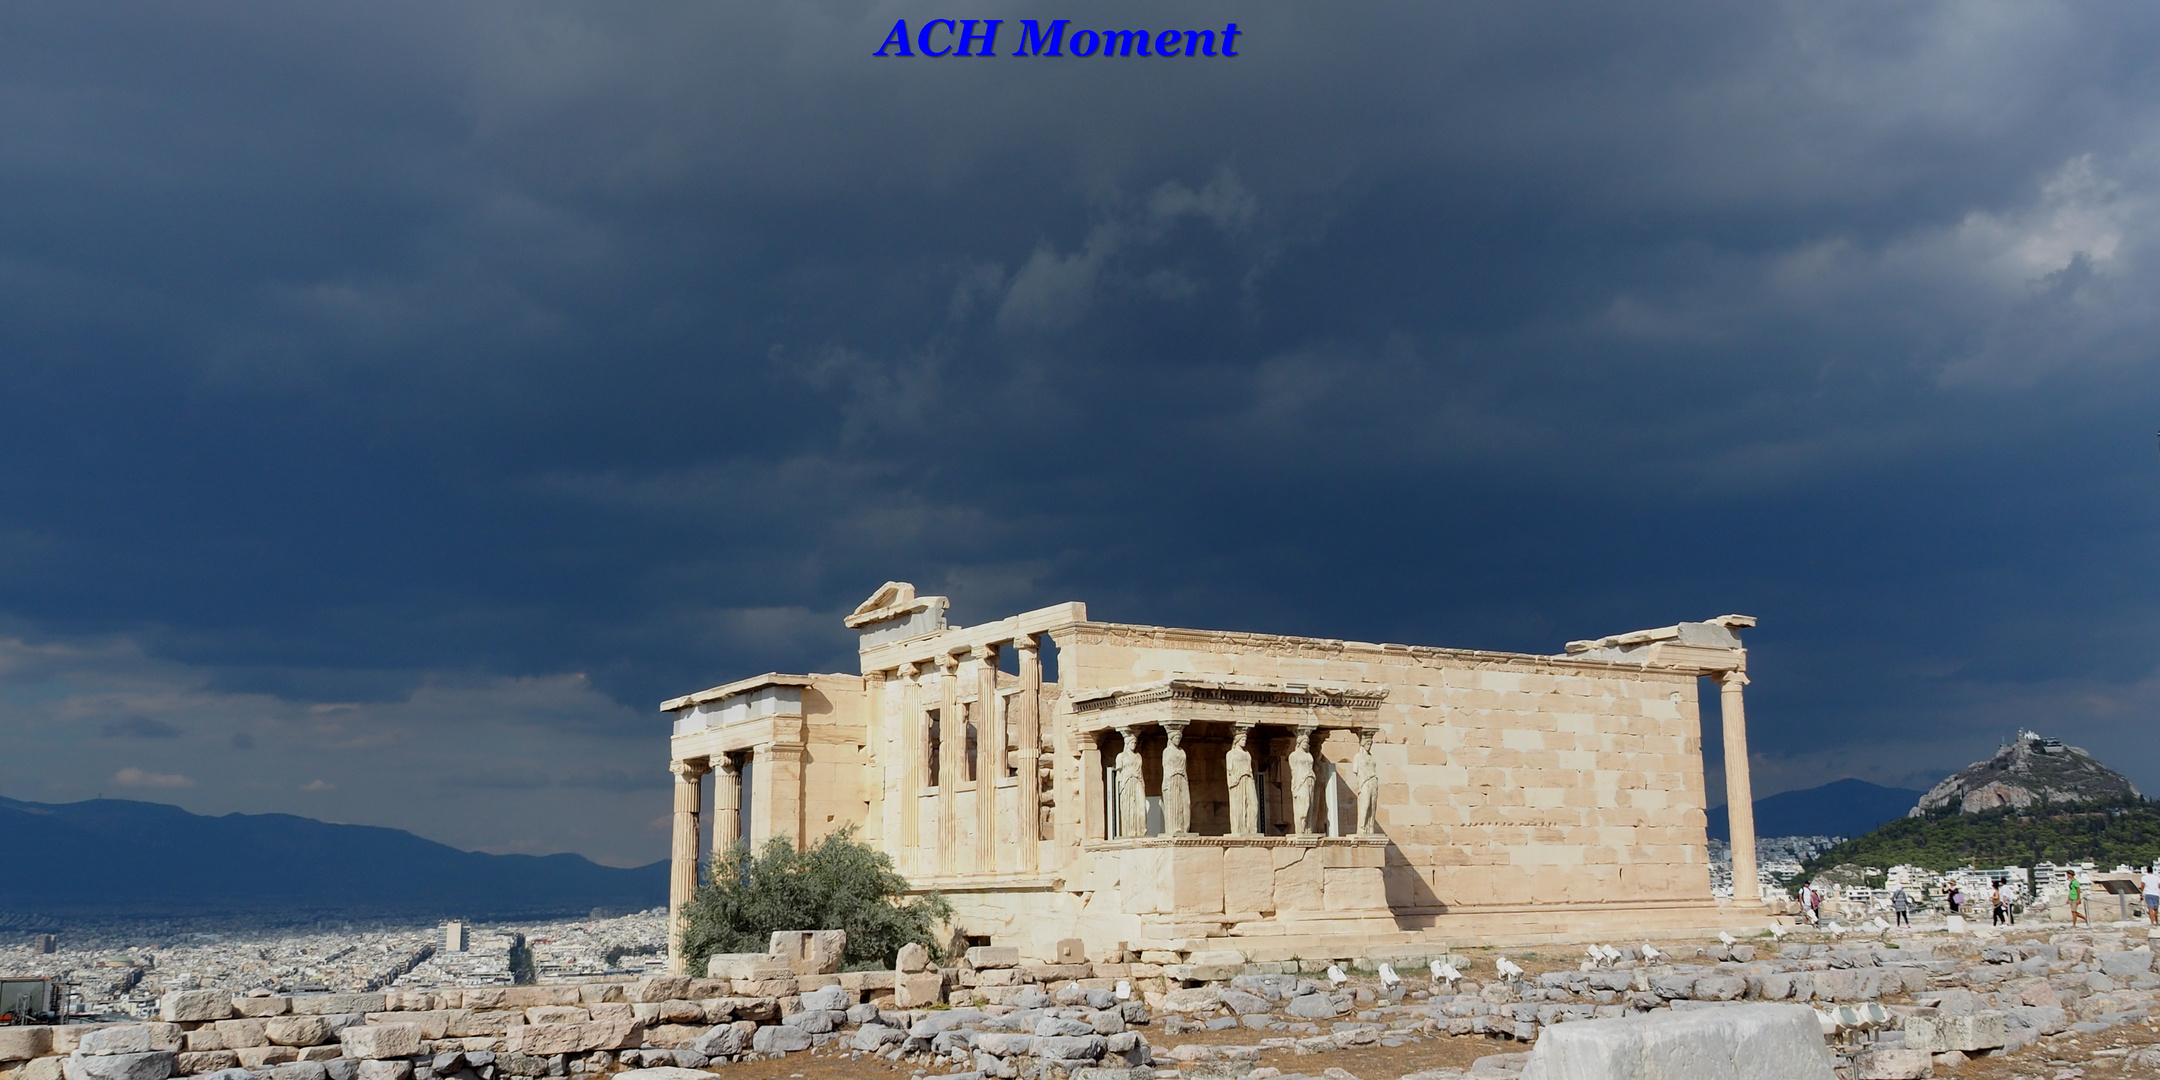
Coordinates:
column 839, row 883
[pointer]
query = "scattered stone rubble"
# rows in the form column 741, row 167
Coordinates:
column 124, row 968
column 1942, row 999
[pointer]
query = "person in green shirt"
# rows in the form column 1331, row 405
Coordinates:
column 2077, row 902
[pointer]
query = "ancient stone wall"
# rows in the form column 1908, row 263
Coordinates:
column 1504, row 781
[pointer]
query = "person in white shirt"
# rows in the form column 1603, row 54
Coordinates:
column 2151, row 882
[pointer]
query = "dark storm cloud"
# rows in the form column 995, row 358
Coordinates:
column 511, row 367
column 139, row 727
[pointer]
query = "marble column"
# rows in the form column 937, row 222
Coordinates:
column 682, row 865
column 1739, row 791
column 952, row 745
column 1301, row 782
column 1093, row 800
column 1176, row 788
column 1244, row 787
column 912, row 747
column 989, row 758
column 727, row 812
column 1027, row 717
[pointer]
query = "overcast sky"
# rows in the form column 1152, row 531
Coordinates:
column 397, row 401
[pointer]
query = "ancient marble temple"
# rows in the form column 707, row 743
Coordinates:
column 1145, row 788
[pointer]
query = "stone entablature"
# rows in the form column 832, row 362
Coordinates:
column 1365, row 788
column 1293, row 703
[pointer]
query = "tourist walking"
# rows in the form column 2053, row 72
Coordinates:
column 1998, row 911
column 2077, row 902
column 2151, row 881
column 1957, row 897
column 1902, row 905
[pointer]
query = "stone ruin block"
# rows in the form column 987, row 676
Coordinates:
column 24, row 1043
column 913, row 958
column 984, row 957
column 381, row 1042
column 195, row 1006
column 918, row 990
column 1730, row 1042
column 651, row 988
column 1940, row 1034
column 1906, row 1064
column 749, row 967
column 810, row 952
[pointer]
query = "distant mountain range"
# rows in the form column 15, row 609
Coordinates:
column 1838, row 808
column 120, row 857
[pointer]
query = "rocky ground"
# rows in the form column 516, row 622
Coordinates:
column 2065, row 1004
column 2040, row 1001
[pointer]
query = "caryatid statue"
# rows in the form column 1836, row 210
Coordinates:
column 1131, row 787
column 1244, row 792
column 1176, row 790
column 1301, row 782
column 1368, row 786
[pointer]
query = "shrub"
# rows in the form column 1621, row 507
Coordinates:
column 837, row 884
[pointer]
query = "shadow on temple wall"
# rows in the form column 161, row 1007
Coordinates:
column 1414, row 904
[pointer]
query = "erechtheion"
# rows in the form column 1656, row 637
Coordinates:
column 1187, row 790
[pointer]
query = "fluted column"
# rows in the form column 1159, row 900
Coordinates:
column 1739, row 790
column 682, row 865
column 727, row 808
column 1027, row 709
column 989, row 758
column 912, row 747
column 952, row 743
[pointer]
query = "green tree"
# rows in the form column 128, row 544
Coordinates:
column 522, row 970
column 837, row 884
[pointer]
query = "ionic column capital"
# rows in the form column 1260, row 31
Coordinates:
column 686, row 771
column 1735, row 677
column 1027, row 643
column 987, row 654
column 948, row 663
